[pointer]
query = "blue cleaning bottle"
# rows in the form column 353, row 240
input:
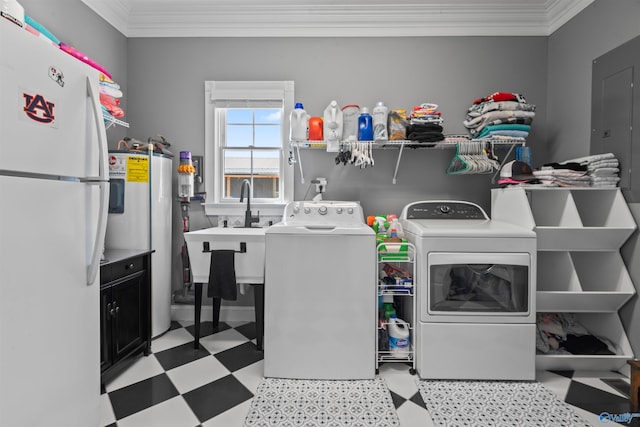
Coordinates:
column 365, row 126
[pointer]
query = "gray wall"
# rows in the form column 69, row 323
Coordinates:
column 166, row 84
column 596, row 30
column 601, row 27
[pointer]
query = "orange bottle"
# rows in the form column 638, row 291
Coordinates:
column 315, row 129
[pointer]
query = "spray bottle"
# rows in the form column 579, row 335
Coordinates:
column 333, row 126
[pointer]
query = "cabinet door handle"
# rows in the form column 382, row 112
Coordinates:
column 114, row 309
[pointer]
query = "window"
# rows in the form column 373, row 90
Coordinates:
column 245, row 138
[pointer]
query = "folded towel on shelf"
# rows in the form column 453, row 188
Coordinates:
column 606, row 181
column 222, row 275
column 485, row 107
column 609, row 163
column 604, row 172
column 507, row 129
column 425, row 132
column 586, row 160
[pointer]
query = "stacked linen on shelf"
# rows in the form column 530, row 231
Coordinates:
column 501, row 114
column 604, row 169
column 425, row 124
column 567, row 174
column 110, row 95
column 598, row 170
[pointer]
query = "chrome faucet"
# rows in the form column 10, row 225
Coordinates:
column 248, row 217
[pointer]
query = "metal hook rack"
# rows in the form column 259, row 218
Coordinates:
column 448, row 142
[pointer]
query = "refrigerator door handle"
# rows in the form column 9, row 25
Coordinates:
column 103, row 161
column 102, row 182
column 98, row 245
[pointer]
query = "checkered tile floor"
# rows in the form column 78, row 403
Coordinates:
column 179, row 386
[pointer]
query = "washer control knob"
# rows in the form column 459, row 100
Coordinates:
column 349, row 211
column 307, row 210
column 338, row 210
column 322, row 210
column 296, row 209
column 445, row 209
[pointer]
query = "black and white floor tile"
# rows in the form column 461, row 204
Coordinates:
column 179, row 386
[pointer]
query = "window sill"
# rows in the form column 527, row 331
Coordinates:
column 238, row 209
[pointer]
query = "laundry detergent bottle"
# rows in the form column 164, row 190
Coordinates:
column 333, row 126
column 315, row 128
column 350, row 114
column 365, row 125
column 399, row 337
column 380, row 116
column 298, row 122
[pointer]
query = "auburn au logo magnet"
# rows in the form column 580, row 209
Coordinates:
column 39, row 109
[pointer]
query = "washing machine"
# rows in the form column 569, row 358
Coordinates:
column 475, row 290
column 320, row 293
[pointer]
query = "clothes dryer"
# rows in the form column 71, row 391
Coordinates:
column 475, row 290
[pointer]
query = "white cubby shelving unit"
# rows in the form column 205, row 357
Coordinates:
column 579, row 234
column 403, row 299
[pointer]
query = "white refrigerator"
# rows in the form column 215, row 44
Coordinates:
column 53, row 210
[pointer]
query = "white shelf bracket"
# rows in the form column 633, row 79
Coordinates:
column 395, row 173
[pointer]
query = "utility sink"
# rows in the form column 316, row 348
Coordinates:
column 248, row 242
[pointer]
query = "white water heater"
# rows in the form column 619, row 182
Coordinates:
column 140, row 218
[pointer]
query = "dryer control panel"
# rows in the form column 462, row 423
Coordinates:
column 323, row 212
column 443, row 209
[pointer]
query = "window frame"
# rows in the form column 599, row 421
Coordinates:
column 219, row 94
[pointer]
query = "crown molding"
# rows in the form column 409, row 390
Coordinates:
column 331, row 18
column 559, row 12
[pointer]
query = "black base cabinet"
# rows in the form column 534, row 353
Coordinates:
column 125, row 309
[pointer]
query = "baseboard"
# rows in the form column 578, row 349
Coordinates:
column 231, row 313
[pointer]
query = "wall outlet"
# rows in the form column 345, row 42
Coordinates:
column 321, row 184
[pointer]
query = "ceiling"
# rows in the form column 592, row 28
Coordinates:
column 336, row 18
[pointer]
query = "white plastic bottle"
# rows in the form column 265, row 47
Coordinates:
column 399, row 336
column 350, row 114
column 332, row 126
column 298, row 124
column 395, row 225
column 380, row 115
